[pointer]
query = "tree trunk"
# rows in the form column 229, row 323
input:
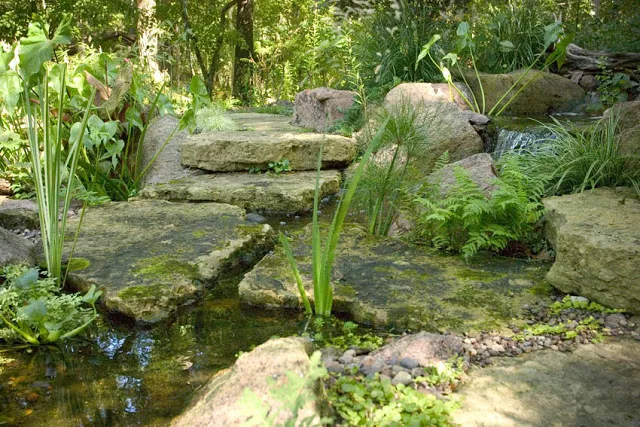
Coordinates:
column 590, row 61
column 148, row 37
column 243, row 61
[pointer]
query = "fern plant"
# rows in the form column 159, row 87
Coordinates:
column 466, row 220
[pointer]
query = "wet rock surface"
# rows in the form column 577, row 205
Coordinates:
column 15, row 249
column 385, row 282
column 150, row 257
column 285, row 193
column 15, row 214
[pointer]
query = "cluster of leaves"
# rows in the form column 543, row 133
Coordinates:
column 276, row 168
column 580, row 304
column 614, row 87
column 376, row 402
column 574, row 159
column 34, row 311
column 348, row 337
column 444, row 373
column 466, row 220
column 568, row 330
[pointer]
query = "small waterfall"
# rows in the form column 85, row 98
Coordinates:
column 509, row 140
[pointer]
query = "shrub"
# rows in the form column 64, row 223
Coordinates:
column 214, row 119
column 572, row 160
column 466, row 220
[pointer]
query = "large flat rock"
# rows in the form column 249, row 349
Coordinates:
column 261, row 144
column 597, row 385
column 286, row 193
column 151, row 256
column 388, row 283
column 596, row 236
column 15, row 249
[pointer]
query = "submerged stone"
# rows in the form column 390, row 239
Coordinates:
column 387, row 283
column 286, row 193
column 149, row 257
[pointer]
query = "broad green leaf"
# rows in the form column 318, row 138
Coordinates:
column 463, row 29
column 28, row 279
column 451, row 57
column 134, row 118
column 426, row 48
column 35, row 311
column 446, row 74
column 552, row 33
column 37, row 48
column 10, row 90
column 506, row 46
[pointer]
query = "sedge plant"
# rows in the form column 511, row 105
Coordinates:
column 323, row 256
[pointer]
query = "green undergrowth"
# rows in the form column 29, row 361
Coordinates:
column 336, row 333
column 567, row 303
column 361, row 401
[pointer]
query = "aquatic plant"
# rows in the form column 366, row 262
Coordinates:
column 466, row 44
column 324, row 256
column 34, row 311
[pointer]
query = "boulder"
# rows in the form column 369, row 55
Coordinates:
column 480, row 168
column 597, row 241
column 448, row 129
column 167, row 165
column 628, row 126
column 595, row 385
column 426, row 348
column 428, row 93
column 152, row 256
column 546, row 94
column 15, row 249
column 240, row 151
column 5, row 188
column 224, row 402
column 321, row 108
column 287, row 193
column 388, row 283
column 18, row 214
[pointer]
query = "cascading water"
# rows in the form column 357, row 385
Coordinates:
column 512, row 140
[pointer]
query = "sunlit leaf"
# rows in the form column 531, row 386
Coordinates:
column 37, row 48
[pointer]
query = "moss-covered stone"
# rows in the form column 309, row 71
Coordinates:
column 150, row 257
column 389, row 283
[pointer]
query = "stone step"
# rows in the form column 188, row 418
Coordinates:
column 265, row 139
column 151, row 256
column 285, row 193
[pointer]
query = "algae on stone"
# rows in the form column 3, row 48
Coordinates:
column 149, row 257
column 389, row 283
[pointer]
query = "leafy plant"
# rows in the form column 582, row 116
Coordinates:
column 324, row 334
column 444, row 373
column 573, row 160
column 376, row 402
column 323, row 257
column 568, row 303
column 279, row 167
column 466, row 220
column 613, row 86
column 33, row 310
column 292, row 396
column 466, row 44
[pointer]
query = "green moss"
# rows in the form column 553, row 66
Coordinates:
column 199, row 234
column 541, row 288
column 346, row 290
column 141, row 292
column 478, row 276
column 77, row 264
column 163, row 266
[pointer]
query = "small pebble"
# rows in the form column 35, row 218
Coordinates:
column 402, row 378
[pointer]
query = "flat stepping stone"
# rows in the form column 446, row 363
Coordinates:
column 265, row 140
column 596, row 385
column 388, row 283
column 286, row 193
column 151, row 256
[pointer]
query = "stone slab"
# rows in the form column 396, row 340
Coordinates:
column 597, row 385
column 151, row 256
column 388, row 283
column 285, row 193
column 15, row 249
column 596, row 236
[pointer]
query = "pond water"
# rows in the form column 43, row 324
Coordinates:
column 125, row 376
